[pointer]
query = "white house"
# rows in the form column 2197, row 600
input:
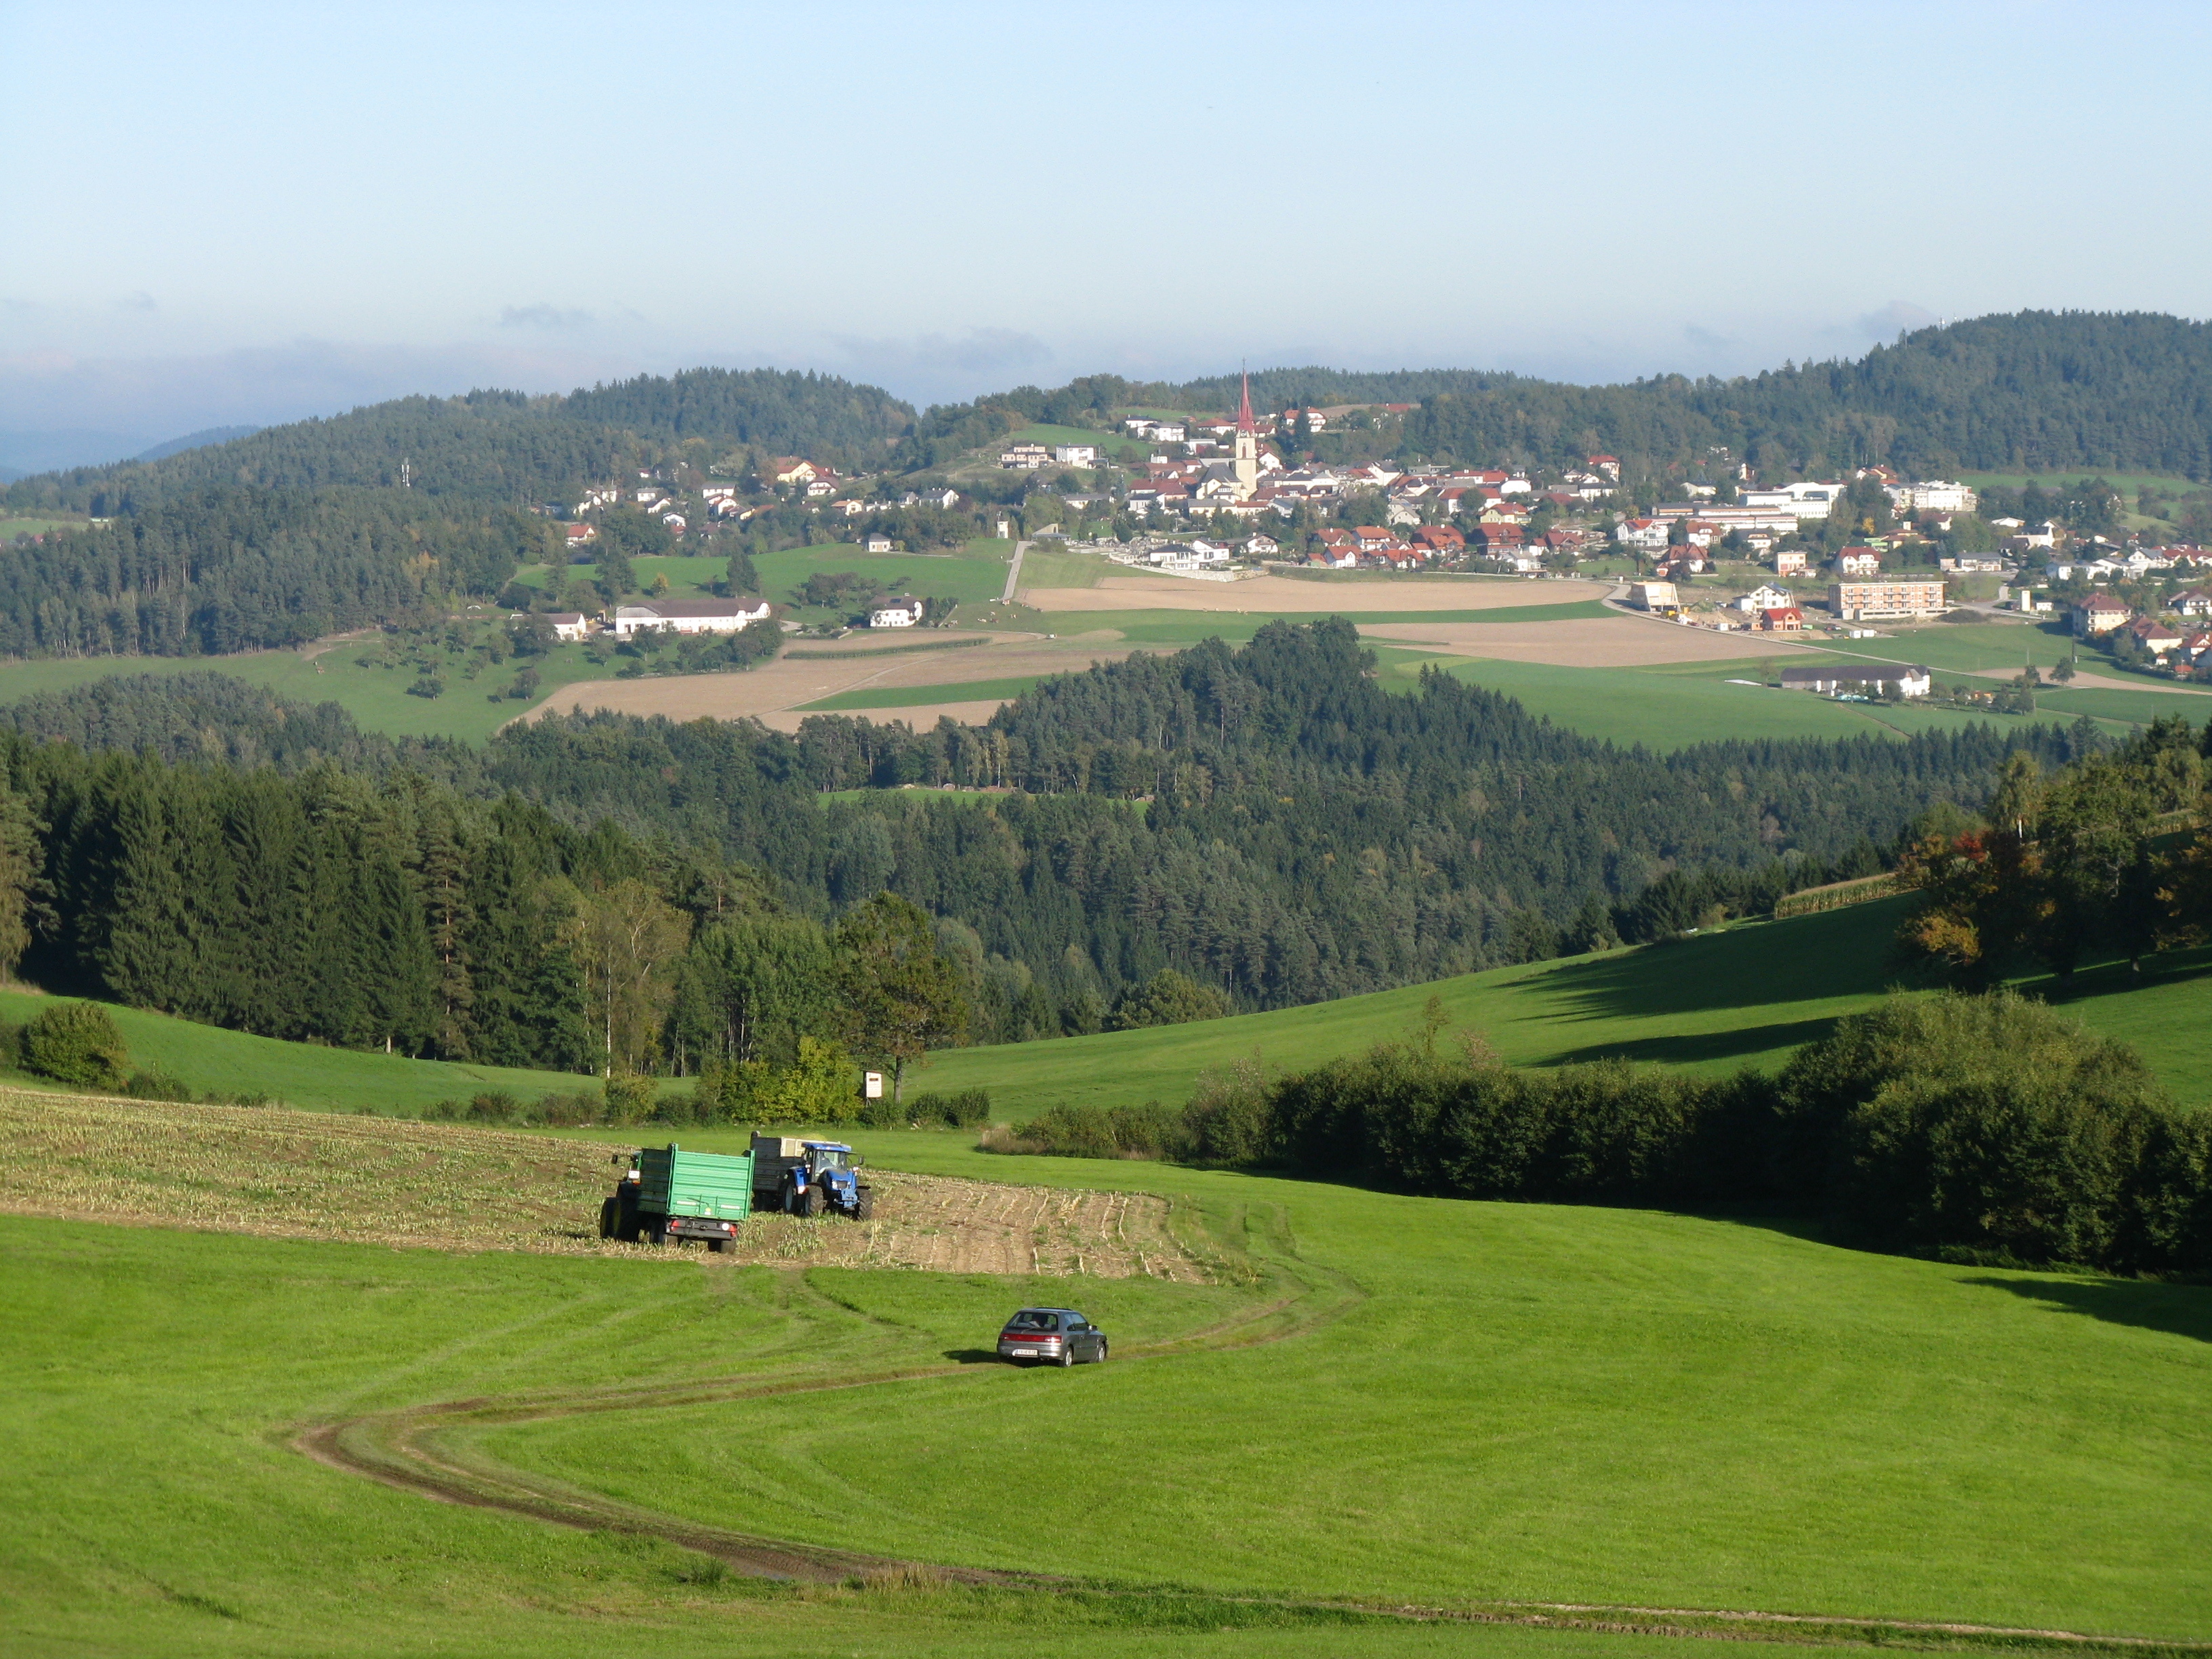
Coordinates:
column 1932, row 496
column 1075, row 454
column 876, row 543
column 569, row 624
column 1648, row 533
column 1801, row 501
column 1765, row 597
column 901, row 612
column 1024, row 456
column 1786, row 562
column 687, row 616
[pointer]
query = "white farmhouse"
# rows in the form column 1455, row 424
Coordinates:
column 1765, row 597
column 902, row 612
column 1075, row 454
column 687, row 616
column 569, row 624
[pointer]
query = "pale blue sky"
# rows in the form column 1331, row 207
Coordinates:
column 249, row 212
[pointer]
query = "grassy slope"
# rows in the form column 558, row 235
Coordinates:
column 1746, row 996
column 1584, row 1405
column 212, row 1061
column 1525, row 1402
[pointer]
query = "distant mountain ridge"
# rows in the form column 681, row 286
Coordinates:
column 214, row 434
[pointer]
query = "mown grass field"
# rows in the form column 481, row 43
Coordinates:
column 909, row 696
column 1466, row 1404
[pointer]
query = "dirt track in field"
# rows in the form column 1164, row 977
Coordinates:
column 1270, row 594
column 284, row 1174
column 1584, row 643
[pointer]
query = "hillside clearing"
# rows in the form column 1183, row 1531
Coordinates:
column 371, row 1181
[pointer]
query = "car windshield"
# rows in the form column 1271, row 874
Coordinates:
column 1030, row 1320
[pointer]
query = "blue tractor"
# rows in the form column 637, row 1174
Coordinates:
column 809, row 1178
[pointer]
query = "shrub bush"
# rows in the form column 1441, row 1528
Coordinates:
column 154, row 1084
column 629, row 1099
column 75, row 1042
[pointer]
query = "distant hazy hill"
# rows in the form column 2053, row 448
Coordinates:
column 214, row 434
column 504, row 447
column 2034, row 391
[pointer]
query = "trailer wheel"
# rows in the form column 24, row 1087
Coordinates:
column 609, row 1216
column 718, row 1245
column 865, row 1205
column 656, row 1238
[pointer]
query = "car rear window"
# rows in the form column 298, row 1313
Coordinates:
column 1029, row 1321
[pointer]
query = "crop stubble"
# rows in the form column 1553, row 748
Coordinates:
column 284, row 1174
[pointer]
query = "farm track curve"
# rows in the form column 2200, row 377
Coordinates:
column 408, row 1448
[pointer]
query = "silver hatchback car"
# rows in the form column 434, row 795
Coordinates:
column 1054, row 1336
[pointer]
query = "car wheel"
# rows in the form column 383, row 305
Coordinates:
column 1066, row 1355
column 1101, row 1351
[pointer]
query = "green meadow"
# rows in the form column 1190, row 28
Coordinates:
column 213, row 1061
column 1381, row 1402
column 1746, row 995
column 910, row 696
column 1667, row 708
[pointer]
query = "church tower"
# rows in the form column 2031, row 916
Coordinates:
column 1246, row 466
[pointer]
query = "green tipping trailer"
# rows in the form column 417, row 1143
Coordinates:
column 668, row 1192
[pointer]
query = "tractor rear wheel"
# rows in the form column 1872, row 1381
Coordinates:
column 609, row 1216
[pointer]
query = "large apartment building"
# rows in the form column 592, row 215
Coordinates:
column 1882, row 601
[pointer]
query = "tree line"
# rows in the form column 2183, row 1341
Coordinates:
column 1978, row 1129
column 1267, row 822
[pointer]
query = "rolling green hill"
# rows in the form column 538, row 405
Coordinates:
column 1747, row 995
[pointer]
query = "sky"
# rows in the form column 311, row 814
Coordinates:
column 245, row 213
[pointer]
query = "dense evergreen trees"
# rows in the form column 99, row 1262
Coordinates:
column 1267, row 822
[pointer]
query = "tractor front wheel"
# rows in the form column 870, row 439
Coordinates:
column 808, row 1203
column 865, row 1205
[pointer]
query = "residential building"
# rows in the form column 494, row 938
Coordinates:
column 876, row 542
column 1858, row 562
column 2101, row 613
column 1790, row 563
column 1438, row 541
column 790, row 469
column 902, row 612
column 1024, row 456
column 569, row 624
column 1781, row 619
column 1876, row 601
column 1649, row 534
column 1765, row 597
column 2155, row 636
column 2191, row 602
column 1075, row 454
column 578, row 534
column 1864, row 679
column 687, row 616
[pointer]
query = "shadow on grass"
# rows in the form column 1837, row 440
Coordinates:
column 973, row 1356
column 1689, row 1048
column 1838, row 953
column 2177, row 1310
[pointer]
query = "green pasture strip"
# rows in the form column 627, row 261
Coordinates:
column 2129, row 482
column 2130, row 708
column 1749, row 995
column 911, row 696
column 376, row 697
column 1581, row 1405
column 1047, row 566
column 1114, row 446
column 212, row 1061
column 966, row 576
column 684, row 572
column 1669, row 710
column 1189, row 627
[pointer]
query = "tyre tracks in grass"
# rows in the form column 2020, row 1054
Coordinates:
column 433, row 1449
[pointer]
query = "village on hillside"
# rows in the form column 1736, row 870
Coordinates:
column 1219, row 496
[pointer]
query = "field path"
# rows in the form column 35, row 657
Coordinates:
column 1013, row 572
column 434, row 1450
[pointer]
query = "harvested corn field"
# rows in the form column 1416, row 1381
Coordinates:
column 377, row 1180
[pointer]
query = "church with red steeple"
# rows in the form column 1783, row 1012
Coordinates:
column 1245, row 463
